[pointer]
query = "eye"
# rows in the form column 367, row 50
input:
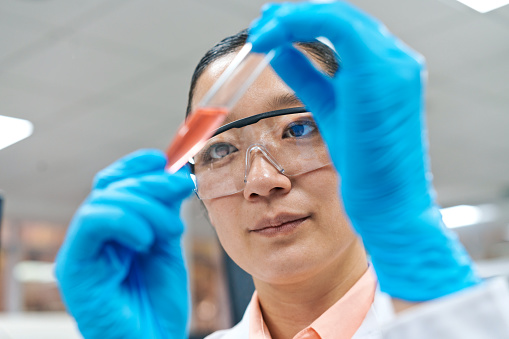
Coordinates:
column 219, row 151
column 300, row 129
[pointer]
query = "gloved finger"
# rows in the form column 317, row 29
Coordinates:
column 136, row 163
column 269, row 8
column 310, row 84
column 95, row 225
column 170, row 270
column 169, row 189
column 160, row 218
column 266, row 12
column 357, row 37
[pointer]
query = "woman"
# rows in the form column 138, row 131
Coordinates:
column 271, row 191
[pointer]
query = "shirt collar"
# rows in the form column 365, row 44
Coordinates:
column 340, row 321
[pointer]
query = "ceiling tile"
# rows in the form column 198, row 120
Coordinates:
column 18, row 32
column 27, row 103
column 407, row 17
column 70, row 64
column 59, row 12
column 490, row 75
column 165, row 28
column 168, row 89
column 501, row 13
column 467, row 132
column 463, row 45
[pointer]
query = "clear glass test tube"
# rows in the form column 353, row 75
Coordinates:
column 211, row 111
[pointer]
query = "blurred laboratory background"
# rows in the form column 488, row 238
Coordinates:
column 94, row 80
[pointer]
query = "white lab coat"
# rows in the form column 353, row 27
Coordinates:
column 481, row 312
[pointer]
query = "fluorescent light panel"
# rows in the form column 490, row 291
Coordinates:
column 13, row 130
column 465, row 215
column 484, row 6
column 34, row 271
column 462, row 215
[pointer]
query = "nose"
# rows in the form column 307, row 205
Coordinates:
column 263, row 176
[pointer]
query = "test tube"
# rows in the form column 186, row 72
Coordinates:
column 215, row 105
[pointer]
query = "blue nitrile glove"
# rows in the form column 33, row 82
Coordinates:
column 371, row 116
column 120, row 270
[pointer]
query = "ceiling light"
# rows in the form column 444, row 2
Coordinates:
column 462, row 215
column 484, row 6
column 13, row 130
column 465, row 215
column 34, row 271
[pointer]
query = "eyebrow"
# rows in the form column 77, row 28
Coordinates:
column 274, row 103
column 282, row 101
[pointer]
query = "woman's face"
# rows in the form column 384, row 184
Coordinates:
column 308, row 230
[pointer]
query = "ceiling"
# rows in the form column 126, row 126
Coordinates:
column 100, row 79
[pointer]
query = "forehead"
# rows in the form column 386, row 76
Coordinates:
column 267, row 93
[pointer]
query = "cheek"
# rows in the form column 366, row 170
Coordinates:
column 225, row 219
column 221, row 210
column 325, row 187
column 323, row 184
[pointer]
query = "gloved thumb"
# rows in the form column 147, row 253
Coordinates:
column 310, row 84
column 136, row 163
column 357, row 37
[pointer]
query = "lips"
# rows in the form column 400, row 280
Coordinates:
column 280, row 223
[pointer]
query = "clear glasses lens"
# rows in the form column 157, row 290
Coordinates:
column 291, row 143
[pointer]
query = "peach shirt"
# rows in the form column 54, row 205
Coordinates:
column 340, row 321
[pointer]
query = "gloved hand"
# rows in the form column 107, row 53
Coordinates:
column 120, row 270
column 371, row 116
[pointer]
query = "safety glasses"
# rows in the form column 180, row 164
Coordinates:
column 288, row 139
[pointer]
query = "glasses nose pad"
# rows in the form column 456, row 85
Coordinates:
column 260, row 148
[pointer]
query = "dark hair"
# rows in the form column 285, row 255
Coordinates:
column 319, row 51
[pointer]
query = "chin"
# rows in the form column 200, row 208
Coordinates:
column 284, row 271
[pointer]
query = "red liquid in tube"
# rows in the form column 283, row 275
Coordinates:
column 193, row 134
